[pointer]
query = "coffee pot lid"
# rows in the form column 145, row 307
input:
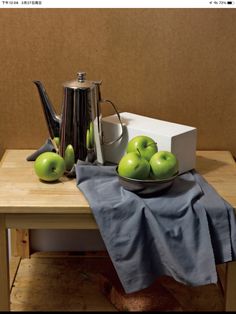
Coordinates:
column 80, row 82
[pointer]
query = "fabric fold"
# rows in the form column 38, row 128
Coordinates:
column 182, row 233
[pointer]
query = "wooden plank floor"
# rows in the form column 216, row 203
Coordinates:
column 63, row 281
column 52, row 283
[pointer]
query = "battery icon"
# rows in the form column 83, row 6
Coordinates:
column 230, row 2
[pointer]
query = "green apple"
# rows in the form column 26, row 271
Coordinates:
column 91, row 134
column 49, row 166
column 88, row 146
column 69, row 157
column 163, row 164
column 134, row 166
column 57, row 141
column 145, row 144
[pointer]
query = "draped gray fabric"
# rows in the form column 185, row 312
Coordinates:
column 183, row 233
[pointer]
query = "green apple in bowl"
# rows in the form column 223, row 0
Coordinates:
column 145, row 144
column 134, row 166
column 49, row 166
column 164, row 165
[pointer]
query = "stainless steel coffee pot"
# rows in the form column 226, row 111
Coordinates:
column 80, row 121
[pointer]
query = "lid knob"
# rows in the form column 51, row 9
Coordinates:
column 81, row 76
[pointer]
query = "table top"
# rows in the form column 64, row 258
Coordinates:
column 22, row 192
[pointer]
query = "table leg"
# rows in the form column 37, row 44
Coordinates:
column 20, row 243
column 230, row 293
column 4, row 267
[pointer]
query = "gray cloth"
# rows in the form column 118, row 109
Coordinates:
column 46, row 147
column 183, row 233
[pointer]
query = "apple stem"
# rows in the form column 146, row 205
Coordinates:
column 138, row 151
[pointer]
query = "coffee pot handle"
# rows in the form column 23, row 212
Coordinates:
column 118, row 115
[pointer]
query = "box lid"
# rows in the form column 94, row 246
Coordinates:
column 145, row 123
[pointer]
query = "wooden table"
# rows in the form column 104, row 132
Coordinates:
column 27, row 203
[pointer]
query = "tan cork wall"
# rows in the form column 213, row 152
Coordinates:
column 172, row 64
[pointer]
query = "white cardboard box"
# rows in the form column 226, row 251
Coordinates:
column 176, row 138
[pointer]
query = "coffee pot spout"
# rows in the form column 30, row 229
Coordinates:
column 52, row 119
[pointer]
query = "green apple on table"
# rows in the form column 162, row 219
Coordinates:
column 133, row 165
column 145, row 144
column 49, row 166
column 88, row 145
column 90, row 136
column 57, row 141
column 164, row 165
column 69, row 157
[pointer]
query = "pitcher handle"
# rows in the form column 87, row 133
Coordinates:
column 118, row 115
